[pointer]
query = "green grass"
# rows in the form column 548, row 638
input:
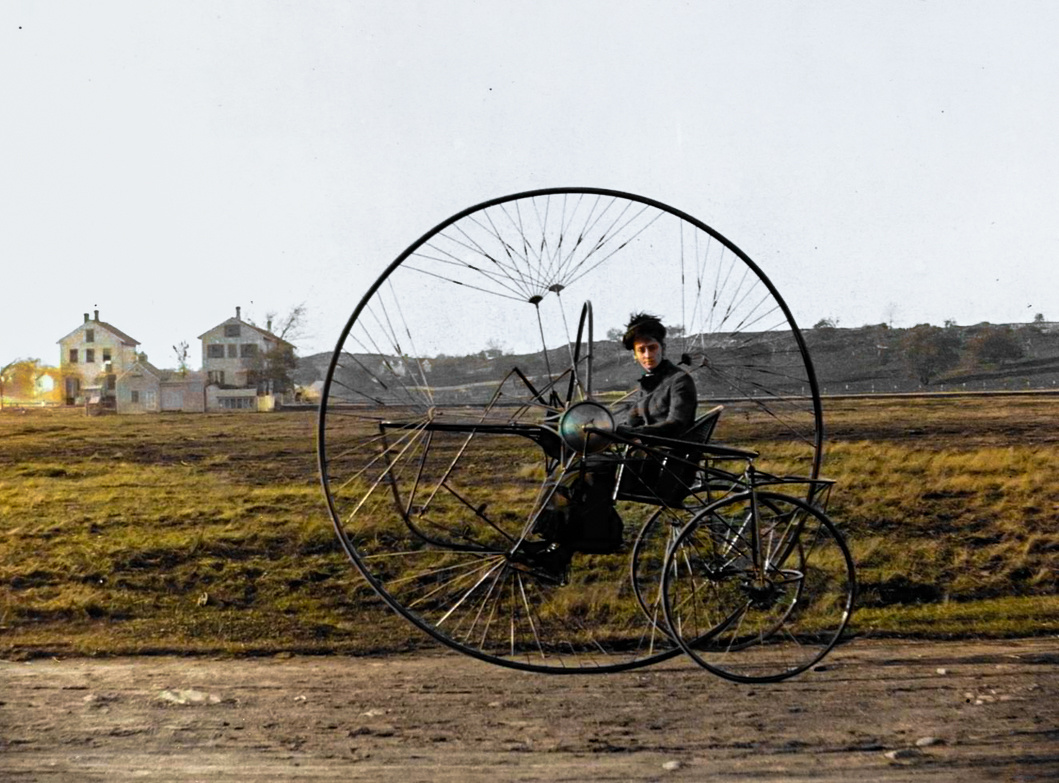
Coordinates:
column 172, row 534
column 988, row 618
column 209, row 533
column 949, row 524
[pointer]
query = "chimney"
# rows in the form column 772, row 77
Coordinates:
column 238, row 317
column 97, row 315
column 86, row 317
column 268, row 326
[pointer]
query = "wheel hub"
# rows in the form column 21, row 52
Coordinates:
column 577, row 420
column 762, row 593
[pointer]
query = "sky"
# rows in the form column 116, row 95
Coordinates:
column 891, row 161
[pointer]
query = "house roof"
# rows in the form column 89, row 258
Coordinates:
column 174, row 376
column 144, row 365
column 109, row 327
column 164, row 376
column 258, row 329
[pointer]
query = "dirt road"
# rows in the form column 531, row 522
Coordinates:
column 876, row 711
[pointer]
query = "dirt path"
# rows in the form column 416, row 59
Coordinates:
column 877, row 711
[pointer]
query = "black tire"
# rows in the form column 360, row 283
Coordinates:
column 752, row 620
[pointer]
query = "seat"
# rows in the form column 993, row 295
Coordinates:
column 701, row 430
column 666, row 481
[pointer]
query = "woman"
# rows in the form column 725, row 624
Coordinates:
column 580, row 515
column 666, row 400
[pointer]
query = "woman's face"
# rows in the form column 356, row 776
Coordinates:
column 648, row 352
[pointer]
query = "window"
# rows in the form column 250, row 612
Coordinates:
column 90, row 355
column 215, row 351
column 217, row 377
column 150, row 399
column 106, row 354
column 231, row 330
column 112, row 382
column 73, row 356
column 135, row 396
column 233, row 350
column 90, row 335
column 238, row 403
column 247, row 350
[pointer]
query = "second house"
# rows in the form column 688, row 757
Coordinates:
column 245, row 366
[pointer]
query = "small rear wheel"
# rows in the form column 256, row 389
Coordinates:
column 758, row 618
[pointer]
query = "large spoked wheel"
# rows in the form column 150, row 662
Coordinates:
column 451, row 410
column 765, row 617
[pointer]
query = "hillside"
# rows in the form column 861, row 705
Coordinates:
column 875, row 359
column 862, row 360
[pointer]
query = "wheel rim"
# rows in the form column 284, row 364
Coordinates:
column 758, row 622
column 436, row 468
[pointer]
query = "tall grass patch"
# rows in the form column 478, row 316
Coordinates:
column 950, row 526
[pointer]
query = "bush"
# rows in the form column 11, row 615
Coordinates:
column 930, row 351
column 996, row 345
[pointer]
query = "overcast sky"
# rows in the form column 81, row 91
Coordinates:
column 164, row 162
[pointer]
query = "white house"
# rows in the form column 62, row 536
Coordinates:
column 143, row 388
column 94, row 355
column 233, row 354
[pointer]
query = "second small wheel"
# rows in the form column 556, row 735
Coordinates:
column 758, row 612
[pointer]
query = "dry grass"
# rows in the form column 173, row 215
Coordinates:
column 209, row 533
column 171, row 533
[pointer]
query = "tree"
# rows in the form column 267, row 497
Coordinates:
column 996, row 345
column 288, row 328
column 930, row 351
column 4, row 378
column 18, row 379
column 273, row 369
column 889, row 313
column 181, row 351
column 1039, row 318
column 616, row 334
column 493, row 349
column 826, row 323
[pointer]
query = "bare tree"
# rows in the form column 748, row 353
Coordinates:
column 889, row 313
column 275, row 368
column 290, row 327
column 181, row 351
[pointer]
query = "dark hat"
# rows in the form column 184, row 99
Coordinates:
column 643, row 325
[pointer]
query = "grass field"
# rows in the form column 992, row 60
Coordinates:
column 209, row 533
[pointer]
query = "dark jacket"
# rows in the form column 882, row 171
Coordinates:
column 665, row 403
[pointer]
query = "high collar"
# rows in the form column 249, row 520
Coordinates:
column 649, row 380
